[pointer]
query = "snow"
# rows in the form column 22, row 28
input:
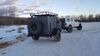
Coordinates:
column 78, row 43
column 7, row 34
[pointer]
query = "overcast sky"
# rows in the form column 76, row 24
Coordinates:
column 63, row 7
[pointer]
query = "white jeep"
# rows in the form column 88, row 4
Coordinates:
column 68, row 23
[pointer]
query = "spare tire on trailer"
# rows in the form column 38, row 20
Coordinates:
column 36, row 27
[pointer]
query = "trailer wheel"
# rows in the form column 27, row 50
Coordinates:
column 69, row 29
column 35, row 37
column 57, row 37
column 79, row 27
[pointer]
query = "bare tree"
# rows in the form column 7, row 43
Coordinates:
column 8, row 8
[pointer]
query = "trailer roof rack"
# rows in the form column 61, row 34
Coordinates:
column 43, row 14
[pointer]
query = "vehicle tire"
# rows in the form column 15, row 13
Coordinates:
column 36, row 27
column 79, row 27
column 69, row 29
column 35, row 37
column 58, row 36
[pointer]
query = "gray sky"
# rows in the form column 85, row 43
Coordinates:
column 62, row 7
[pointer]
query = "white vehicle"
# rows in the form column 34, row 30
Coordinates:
column 68, row 23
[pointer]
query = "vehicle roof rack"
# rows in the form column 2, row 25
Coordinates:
column 44, row 14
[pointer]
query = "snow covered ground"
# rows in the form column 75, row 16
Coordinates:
column 78, row 43
column 8, row 33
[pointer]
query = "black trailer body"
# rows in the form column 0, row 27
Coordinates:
column 44, row 24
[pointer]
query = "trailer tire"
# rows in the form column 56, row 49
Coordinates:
column 57, row 37
column 79, row 27
column 35, row 37
column 69, row 29
column 36, row 27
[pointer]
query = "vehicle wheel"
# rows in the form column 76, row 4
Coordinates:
column 79, row 27
column 36, row 27
column 35, row 37
column 69, row 29
column 58, row 36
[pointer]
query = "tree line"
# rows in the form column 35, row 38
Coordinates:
column 7, row 20
column 90, row 18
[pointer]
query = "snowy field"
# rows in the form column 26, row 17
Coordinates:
column 78, row 43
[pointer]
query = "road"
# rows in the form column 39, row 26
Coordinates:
column 78, row 43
